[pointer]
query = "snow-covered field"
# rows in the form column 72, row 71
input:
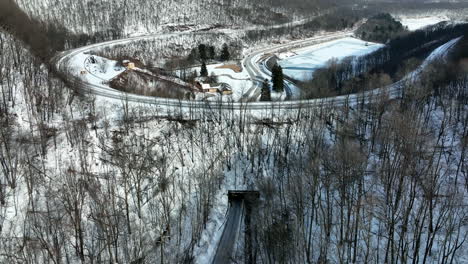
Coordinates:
column 415, row 23
column 300, row 64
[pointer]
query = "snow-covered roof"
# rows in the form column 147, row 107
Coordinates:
column 205, row 85
column 208, row 86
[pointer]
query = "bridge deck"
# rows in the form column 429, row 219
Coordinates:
column 228, row 238
column 238, row 200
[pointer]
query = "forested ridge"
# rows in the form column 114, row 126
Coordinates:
column 389, row 64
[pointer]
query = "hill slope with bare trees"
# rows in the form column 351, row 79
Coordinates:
column 84, row 179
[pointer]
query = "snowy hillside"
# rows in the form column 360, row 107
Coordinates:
column 144, row 16
column 92, row 178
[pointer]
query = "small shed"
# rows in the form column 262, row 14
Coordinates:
column 209, row 87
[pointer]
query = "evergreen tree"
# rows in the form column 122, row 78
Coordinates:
column 225, row 55
column 212, row 53
column 266, row 93
column 192, row 56
column 202, row 52
column 277, row 78
column 204, row 70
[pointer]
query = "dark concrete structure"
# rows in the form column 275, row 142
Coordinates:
column 240, row 203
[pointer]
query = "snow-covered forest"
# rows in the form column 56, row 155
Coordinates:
column 85, row 179
column 131, row 17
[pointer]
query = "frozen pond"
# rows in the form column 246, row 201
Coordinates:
column 301, row 63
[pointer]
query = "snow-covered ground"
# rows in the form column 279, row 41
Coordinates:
column 217, row 70
column 415, row 23
column 97, row 73
column 300, row 64
column 220, row 154
column 239, row 81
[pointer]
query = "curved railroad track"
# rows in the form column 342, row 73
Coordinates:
column 61, row 62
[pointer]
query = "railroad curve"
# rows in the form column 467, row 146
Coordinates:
column 249, row 63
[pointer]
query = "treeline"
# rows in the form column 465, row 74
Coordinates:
column 64, row 39
column 46, row 38
column 380, row 28
column 383, row 66
column 414, row 8
column 205, row 52
column 418, row 43
column 24, row 28
column 91, row 17
column 305, row 6
column 338, row 19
